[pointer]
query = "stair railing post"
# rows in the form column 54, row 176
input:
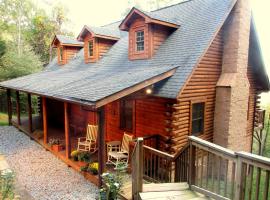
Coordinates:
column 137, row 169
column 192, row 167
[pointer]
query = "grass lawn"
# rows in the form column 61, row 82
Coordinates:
column 3, row 119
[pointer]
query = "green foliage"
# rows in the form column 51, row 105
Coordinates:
column 14, row 65
column 3, row 119
column 7, row 185
column 84, row 157
column 112, row 184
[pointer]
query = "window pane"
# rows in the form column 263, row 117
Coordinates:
column 90, row 48
column 140, row 41
column 126, row 115
column 197, row 118
column 61, row 53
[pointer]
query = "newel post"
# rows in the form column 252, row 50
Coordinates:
column 137, row 169
column 192, row 167
column 238, row 178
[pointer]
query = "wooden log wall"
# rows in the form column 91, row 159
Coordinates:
column 150, row 117
column 201, row 86
column 80, row 117
column 68, row 53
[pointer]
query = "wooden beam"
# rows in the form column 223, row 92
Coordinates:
column 30, row 126
column 45, row 125
column 9, row 107
column 67, row 136
column 18, row 106
column 135, row 88
column 101, row 143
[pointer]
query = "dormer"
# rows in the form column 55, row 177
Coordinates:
column 66, row 48
column 97, row 41
column 147, row 31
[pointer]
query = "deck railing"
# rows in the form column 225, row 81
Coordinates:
column 208, row 168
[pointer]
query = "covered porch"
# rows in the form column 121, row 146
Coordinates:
column 137, row 114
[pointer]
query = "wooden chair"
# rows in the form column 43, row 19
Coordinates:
column 118, row 152
column 88, row 143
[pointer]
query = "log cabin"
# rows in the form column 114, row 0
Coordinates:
column 193, row 68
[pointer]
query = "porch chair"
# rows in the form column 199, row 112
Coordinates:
column 118, row 152
column 88, row 143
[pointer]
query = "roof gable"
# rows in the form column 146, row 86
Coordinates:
column 100, row 32
column 65, row 41
column 150, row 17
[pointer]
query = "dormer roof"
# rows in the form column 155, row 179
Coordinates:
column 150, row 17
column 66, row 41
column 100, row 32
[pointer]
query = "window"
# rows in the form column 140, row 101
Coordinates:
column 91, row 48
column 61, row 53
column 126, row 115
column 140, row 40
column 197, row 118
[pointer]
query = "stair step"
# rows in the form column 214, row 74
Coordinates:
column 161, row 187
column 185, row 194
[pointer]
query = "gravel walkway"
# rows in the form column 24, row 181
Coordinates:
column 40, row 172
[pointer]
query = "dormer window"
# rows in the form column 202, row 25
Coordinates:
column 140, row 41
column 91, row 48
column 147, row 31
column 97, row 41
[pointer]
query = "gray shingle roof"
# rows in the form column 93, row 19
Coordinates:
column 105, row 31
column 68, row 40
column 199, row 20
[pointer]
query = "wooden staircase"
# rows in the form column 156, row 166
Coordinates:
column 169, row 191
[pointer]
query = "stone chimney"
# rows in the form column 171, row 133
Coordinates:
column 230, row 125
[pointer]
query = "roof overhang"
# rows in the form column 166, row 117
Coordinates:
column 134, row 13
column 256, row 59
column 56, row 40
column 87, row 29
column 104, row 101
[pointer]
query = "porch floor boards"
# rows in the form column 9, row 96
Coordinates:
column 37, row 135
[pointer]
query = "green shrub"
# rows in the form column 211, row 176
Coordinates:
column 7, row 185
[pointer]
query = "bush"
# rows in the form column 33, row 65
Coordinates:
column 112, row 184
column 74, row 155
column 7, row 185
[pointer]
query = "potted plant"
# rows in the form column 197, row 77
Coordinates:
column 83, row 158
column 74, row 155
column 56, row 145
column 93, row 168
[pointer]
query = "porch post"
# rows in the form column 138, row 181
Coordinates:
column 29, row 112
column 67, row 137
column 9, row 107
column 18, row 106
column 101, row 143
column 45, row 125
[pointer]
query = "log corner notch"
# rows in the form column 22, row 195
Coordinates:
column 67, row 135
column 9, row 107
column 101, row 144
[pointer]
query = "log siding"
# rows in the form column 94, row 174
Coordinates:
column 201, row 87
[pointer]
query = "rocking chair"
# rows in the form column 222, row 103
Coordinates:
column 89, row 143
column 119, row 155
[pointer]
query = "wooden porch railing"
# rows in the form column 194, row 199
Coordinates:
column 208, row 168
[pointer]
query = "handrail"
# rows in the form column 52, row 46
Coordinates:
column 159, row 153
column 215, row 147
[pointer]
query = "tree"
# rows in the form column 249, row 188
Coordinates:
column 14, row 65
column 43, row 28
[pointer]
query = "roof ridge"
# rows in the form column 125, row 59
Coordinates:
column 165, row 7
